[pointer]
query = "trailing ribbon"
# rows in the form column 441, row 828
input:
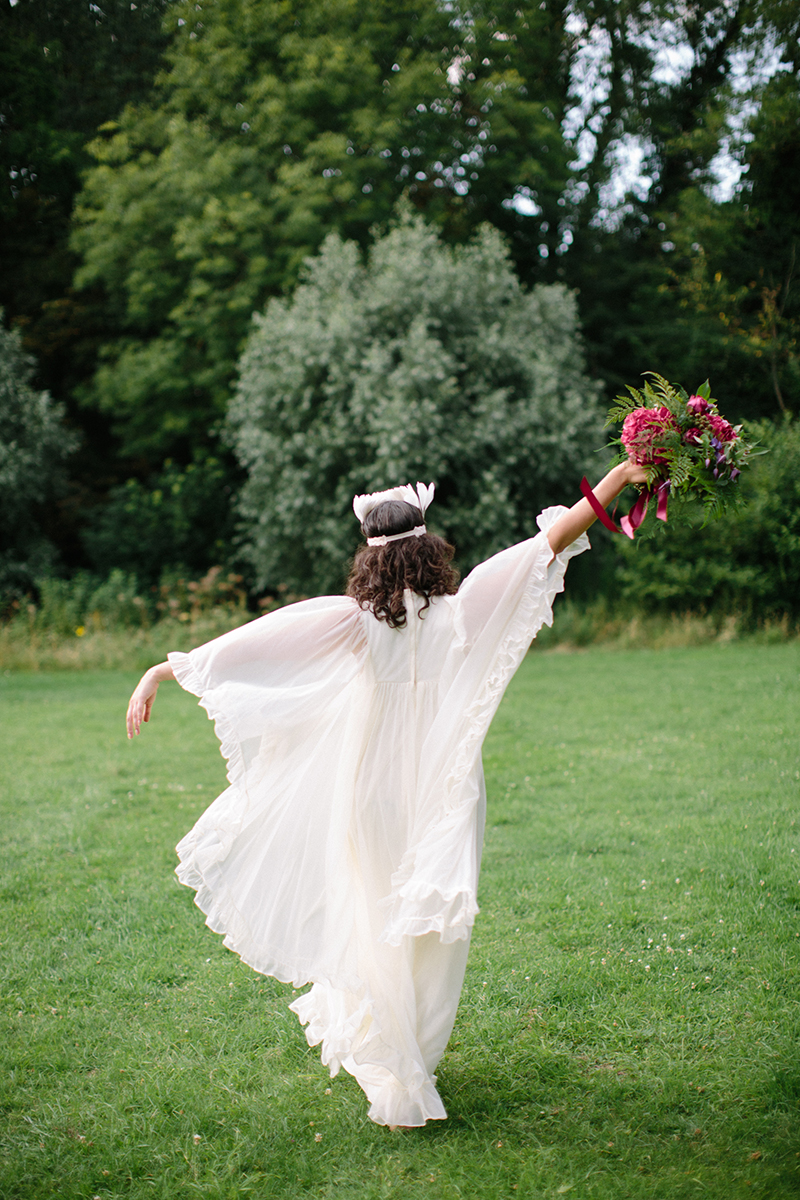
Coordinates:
column 633, row 520
column 597, row 507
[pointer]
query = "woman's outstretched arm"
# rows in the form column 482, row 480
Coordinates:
column 578, row 519
column 142, row 699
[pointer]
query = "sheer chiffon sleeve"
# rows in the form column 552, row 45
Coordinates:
column 275, row 676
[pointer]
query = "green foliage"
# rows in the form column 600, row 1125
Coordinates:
column 66, row 607
column 34, row 444
column 274, row 125
column 65, row 68
column 670, row 275
column 424, row 363
column 746, row 562
column 180, row 519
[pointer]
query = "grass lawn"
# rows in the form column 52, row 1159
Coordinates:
column 629, row 1024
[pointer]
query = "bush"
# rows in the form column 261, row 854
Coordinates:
column 747, row 563
column 427, row 362
column 180, row 521
column 33, row 446
column 87, row 603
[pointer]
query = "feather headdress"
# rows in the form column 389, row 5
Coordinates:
column 420, row 496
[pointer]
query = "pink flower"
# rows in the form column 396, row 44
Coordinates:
column 692, row 435
column 642, row 430
column 723, row 431
column 698, row 405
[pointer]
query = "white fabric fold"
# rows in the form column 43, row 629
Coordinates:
column 346, row 850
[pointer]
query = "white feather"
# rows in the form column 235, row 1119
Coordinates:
column 420, row 496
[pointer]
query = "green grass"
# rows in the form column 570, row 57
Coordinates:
column 629, row 1024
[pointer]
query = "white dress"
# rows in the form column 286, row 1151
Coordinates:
column 345, row 852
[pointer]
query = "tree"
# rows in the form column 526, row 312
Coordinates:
column 735, row 274
column 65, row 68
column 672, row 277
column 180, row 519
column 274, row 125
column 33, row 447
column 424, row 362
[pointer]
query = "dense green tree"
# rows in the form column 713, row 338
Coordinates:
column 733, row 279
column 65, row 68
column 33, row 446
column 425, row 362
column 274, row 125
column 179, row 518
column 673, row 279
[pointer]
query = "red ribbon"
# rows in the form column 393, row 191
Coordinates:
column 633, row 520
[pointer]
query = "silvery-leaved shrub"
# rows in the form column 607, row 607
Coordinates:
column 424, row 361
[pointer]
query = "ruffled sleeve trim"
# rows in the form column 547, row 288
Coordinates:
column 190, row 680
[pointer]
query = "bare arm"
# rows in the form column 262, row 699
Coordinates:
column 144, row 695
column 575, row 522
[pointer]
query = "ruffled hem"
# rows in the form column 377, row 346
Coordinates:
column 349, row 1042
column 213, row 898
column 411, row 883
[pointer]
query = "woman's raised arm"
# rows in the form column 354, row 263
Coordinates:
column 578, row 519
column 142, row 699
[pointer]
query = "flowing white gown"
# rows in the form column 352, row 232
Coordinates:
column 345, row 852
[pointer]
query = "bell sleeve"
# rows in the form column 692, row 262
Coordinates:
column 276, row 674
column 283, row 694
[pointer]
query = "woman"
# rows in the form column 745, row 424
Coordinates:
column 345, row 852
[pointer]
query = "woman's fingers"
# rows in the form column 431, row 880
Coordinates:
column 139, row 708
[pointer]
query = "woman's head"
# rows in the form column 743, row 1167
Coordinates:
column 390, row 518
column 380, row 574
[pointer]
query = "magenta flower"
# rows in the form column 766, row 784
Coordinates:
column 698, row 405
column 692, row 435
column 643, row 430
column 722, row 429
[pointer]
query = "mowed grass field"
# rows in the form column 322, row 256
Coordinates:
column 630, row 1019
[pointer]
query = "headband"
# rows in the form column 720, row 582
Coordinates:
column 385, row 538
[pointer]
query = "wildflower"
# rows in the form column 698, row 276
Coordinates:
column 317, row 1137
column 80, row 631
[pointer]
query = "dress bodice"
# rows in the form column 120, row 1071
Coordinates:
column 418, row 651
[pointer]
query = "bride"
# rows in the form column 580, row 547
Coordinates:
column 345, row 852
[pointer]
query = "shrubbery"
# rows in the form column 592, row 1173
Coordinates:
column 33, row 447
column 427, row 362
column 183, row 517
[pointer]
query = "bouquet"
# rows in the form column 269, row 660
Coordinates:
column 687, row 448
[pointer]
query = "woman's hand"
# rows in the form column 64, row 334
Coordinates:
column 142, row 699
column 632, row 472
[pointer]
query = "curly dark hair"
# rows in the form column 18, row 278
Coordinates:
column 380, row 574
